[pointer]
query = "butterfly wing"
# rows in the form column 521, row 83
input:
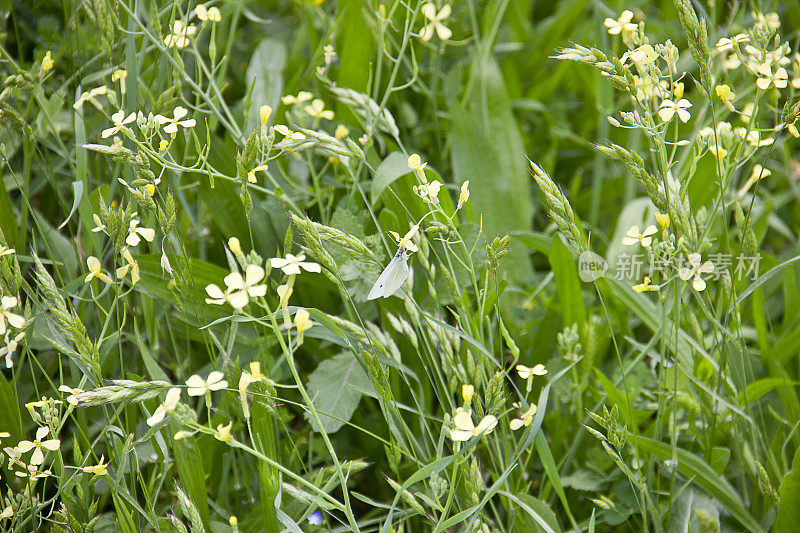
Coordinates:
column 397, row 276
column 377, row 289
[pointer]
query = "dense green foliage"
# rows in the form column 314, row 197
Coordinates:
column 197, row 200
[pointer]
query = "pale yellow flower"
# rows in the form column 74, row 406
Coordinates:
column 779, row 78
column 405, row 241
column 289, row 134
column 47, row 63
column 211, row 14
column 180, row 34
column 95, row 271
column 5, row 250
column 758, row 173
column 163, row 145
column 646, row 286
column 669, row 109
column 527, row 372
column 130, row 264
column 90, row 96
column 726, row 95
column 224, row 432
column 429, row 192
column 725, row 44
column 245, row 380
column 11, row 345
column 435, row 22
column 302, row 96
column 136, row 234
column 264, row 113
column 317, row 110
column 72, row 399
column 120, row 120
column 465, row 428
column 234, row 245
column 120, row 75
column 621, row 26
column 525, row 419
column 292, row 264
column 242, row 288
column 341, row 132
column 284, row 293
column 172, row 123
column 6, row 304
column 38, row 445
column 216, row 296
column 463, row 195
column 200, row 387
column 694, row 271
column 251, row 176
column 167, row 406
column 303, row 323
column 467, row 391
column 633, row 236
column 663, row 220
column 100, row 469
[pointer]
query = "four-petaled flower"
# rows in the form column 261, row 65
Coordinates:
column 200, row 387
column 622, row 25
column 779, row 78
column 429, row 192
column 242, row 288
column 405, row 241
column 95, row 270
column 120, row 120
column 245, row 380
column 38, row 445
column 135, row 233
column 725, row 44
column 694, row 271
column 211, row 14
column 216, row 296
column 292, row 264
column 646, row 286
column 303, row 323
column 224, row 432
column 11, row 344
column 435, row 24
column 251, row 176
column 130, row 264
column 669, row 109
column 634, row 237
column 172, row 123
column 465, row 428
column 317, row 110
column 90, row 97
column 302, row 96
column 6, row 304
column 526, row 372
column 525, row 419
column 289, row 134
column 168, row 405
column 100, row 469
column 180, row 34
column 726, row 95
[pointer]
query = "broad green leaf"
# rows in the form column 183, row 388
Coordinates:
column 537, row 515
column 568, row 286
column 335, row 388
column 265, row 76
column 788, row 516
column 394, row 166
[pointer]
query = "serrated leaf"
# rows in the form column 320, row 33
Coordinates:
column 335, row 388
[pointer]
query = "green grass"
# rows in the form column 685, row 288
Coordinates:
column 172, row 368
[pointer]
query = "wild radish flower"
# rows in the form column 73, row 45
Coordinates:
column 200, row 387
column 329, row 53
column 251, row 176
column 465, row 428
column 779, row 78
column 163, row 145
column 38, row 445
column 669, row 109
column 47, row 63
column 467, row 391
column 180, row 34
column 242, row 288
column 6, row 304
column 120, row 75
column 302, row 96
column 289, row 134
column 435, row 22
column 415, row 163
column 429, row 192
column 244, row 381
column 757, row 173
column 754, row 139
column 11, row 344
column 284, row 292
column 130, row 264
column 224, row 432
column 633, row 236
column 663, row 220
column 646, row 286
column 172, row 123
column 726, row 43
column 341, row 132
column 136, row 234
column 405, row 241
column 167, row 406
column 211, row 14
column 90, row 96
column 303, row 323
column 120, row 120
column 95, row 271
column 525, row 419
column 463, row 195
column 726, row 95
column 621, row 26
column 526, row 372
column 292, row 264
column 216, row 296
column 317, row 110
column 72, row 399
column 100, row 469
column 694, row 271
column 645, row 55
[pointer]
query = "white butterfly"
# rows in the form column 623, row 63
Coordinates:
column 392, row 277
column 396, row 272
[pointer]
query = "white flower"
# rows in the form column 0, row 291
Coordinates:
column 72, row 399
column 292, row 264
column 779, row 78
column 242, row 288
column 211, row 14
column 199, row 386
column 634, row 237
column 525, row 419
column 669, row 108
column 37, row 445
column 135, row 232
column 526, row 372
column 435, row 24
column 622, row 25
column 725, row 44
column 6, row 304
column 302, row 96
column 216, row 296
column 90, row 97
column 465, row 429
column 169, row 405
column 180, row 34
column 172, row 123
column 694, row 271
column 289, row 134
column 120, row 120
column 317, row 110
column 10, row 347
